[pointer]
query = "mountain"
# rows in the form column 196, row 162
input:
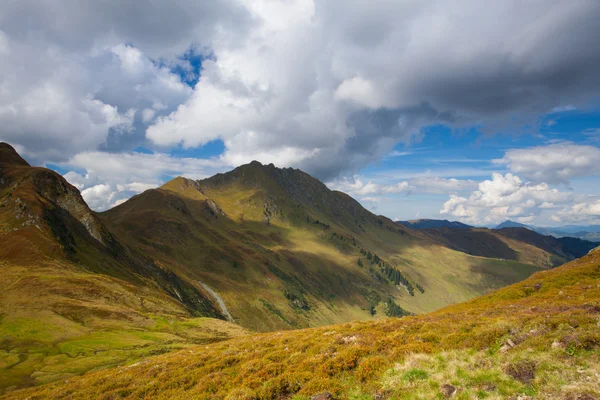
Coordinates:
column 589, row 233
column 433, row 223
column 73, row 296
column 511, row 224
column 519, row 244
column 284, row 251
column 261, row 247
column 534, row 339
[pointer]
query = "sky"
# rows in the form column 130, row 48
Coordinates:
column 463, row 110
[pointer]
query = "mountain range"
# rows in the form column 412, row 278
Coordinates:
column 586, row 232
column 193, row 262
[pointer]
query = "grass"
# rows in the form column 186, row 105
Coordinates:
column 536, row 338
column 58, row 322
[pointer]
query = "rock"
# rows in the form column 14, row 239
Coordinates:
column 322, row 396
column 537, row 286
column 448, row 390
column 557, row 345
column 510, row 343
column 523, row 371
column 505, row 348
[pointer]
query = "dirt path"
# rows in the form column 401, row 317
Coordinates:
column 219, row 300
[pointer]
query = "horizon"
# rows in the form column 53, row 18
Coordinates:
column 386, row 103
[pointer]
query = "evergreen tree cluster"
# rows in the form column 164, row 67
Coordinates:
column 394, row 310
column 420, row 288
column 392, row 273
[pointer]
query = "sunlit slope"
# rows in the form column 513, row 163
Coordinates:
column 538, row 338
column 283, row 250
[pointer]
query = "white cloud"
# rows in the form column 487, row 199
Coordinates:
column 310, row 78
column 588, row 211
column 98, row 196
column 556, row 163
column 110, row 179
column 72, row 102
column 503, row 197
column 358, row 91
column 356, row 186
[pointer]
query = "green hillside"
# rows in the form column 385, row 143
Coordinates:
column 535, row 339
column 283, row 250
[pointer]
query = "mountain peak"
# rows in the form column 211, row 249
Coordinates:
column 9, row 156
column 511, row 224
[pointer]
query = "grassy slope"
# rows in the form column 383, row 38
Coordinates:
column 495, row 244
column 258, row 232
column 536, row 338
column 72, row 298
column 58, row 321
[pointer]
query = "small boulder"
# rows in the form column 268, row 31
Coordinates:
column 523, row 371
column 448, row 390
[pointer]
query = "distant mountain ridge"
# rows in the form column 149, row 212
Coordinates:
column 511, row 224
column 590, row 232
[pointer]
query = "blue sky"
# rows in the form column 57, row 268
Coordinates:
column 402, row 105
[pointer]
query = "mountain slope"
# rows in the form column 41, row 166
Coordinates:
column 538, row 338
column 519, row 244
column 73, row 297
column 282, row 250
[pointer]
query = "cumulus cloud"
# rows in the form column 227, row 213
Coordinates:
column 556, row 163
column 587, row 211
column 72, row 102
column 356, row 186
column 332, row 86
column 109, row 178
column 503, row 197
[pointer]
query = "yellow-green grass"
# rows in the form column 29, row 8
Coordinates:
column 536, row 338
column 57, row 322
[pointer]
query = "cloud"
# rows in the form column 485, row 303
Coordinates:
column 356, row 186
column 338, row 84
column 588, row 211
column 503, row 197
column 109, row 179
column 73, row 102
column 556, row 163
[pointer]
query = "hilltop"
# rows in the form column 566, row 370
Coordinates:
column 535, row 339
